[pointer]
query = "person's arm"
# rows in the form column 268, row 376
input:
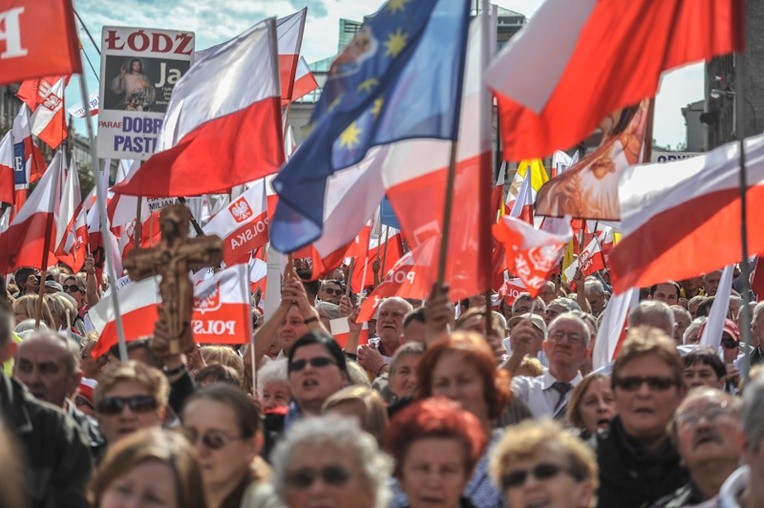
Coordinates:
column 181, row 383
column 294, row 291
column 438, row 314
column 266, row 336
column 91, row 284
column 351, row 346
column 581, row 292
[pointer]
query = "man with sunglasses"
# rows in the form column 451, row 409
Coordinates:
column 331, row 291
column 57, row 460
column 638, row 463
column 129, row 397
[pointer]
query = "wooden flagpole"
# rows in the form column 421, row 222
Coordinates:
column 446, row 233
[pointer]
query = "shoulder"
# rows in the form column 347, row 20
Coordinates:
column 260, row 494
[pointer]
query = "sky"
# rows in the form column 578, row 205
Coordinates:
column 215, row 21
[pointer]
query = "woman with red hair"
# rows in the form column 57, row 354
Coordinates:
column 436, row 446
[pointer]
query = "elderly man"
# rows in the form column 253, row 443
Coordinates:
column 654, row 314
column 711, row 282
column 682, row 319
column 331, row 291
column 48, row 364
column 596, row 295
column 745, row 487
column 390, row 315
column 757, row 334
column 565, row 349
column 704, row 430
column 57, row 461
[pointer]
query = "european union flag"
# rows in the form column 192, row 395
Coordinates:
column 399, row 78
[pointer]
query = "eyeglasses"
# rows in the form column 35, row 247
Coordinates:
column 711, row 414
column 80, row 401
column 333, row 475
column 214, row 440
column 317, row 362
column 573, row 337
column 136, row 403
column 543, row 471
column 71, row 288
column 656, row 383
column 728, row 343
column 336, row 292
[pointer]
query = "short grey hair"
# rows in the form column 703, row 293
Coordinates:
column 538, row 307
column 396, row 299
column 569, row 316
column 753, row 413
column 407, row 349
column 272, row 371
column 344, row 434
column 653, row 313
column 757, row 311
column 567, row 303
column 692, row 328
column 594, row 285
column 328, row 310
column 72, row 355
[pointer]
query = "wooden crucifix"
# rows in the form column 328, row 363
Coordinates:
column 175, row 255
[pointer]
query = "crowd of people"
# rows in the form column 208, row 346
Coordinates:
column 477, row 403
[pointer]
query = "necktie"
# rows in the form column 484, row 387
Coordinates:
column 562, row 389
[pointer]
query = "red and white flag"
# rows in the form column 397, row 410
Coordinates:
column 522, row 207
column 612, row 331
column 340, row 329
column 590, row 260
column 236, row 129
column 604, row 56
column 242, row 225
column 289, row 31
column 304, row 80
column 71, row 224
column 258, row 273
column 39, row 39
column 28, row 162
column 45, row 98
column 682, row 218
column 532, row 254
column 387, row 247
column 7, row 184
column 22, row 244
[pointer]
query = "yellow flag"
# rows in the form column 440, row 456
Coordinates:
column 539, row 175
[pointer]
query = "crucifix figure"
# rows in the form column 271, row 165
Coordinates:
column 175, row 255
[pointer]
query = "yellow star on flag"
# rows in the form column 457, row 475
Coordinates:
column 396, row 5
column 395, row 43
column 368, row 84
column 350, row 136
column 377, row 108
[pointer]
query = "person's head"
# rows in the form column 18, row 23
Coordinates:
column 559, row 306
column 317, row 368
column 752, row 423
column 330, row 461
column 538, row 463
column 137, row 350
column 648, row 384
column 362, row 403
column 703, row 367
column 711, row 282
column 652, row 313
column 7, row 345
column 390, row 321
column 74, row 286
column 331, row 291
column 595, row 293
column 693, row 303
column 529, row 330
column 129, row 397
column 25, row 307
column 223, row 355
column 63, row 309
column 462, row 368
column 403, row 368
column 547, row 292
column 223, row 424
column 565, row 346
column 682, row 319
column 666, row 292
column 591, row 404
column 524, row 303
column 217, row 373
column 150, row 464
column 692, row 333
column 414, row 329
column 704, row 429
column 136, row 66
column 435, row 444
column 474, row 320
column 273, row 384
column 735, row 304
column 48, row 364
column 292, row 327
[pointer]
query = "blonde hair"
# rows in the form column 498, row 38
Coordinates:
column 375, row 420
column 28, row 304
column 133, row 371
column 223, row 355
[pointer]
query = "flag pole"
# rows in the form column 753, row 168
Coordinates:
column 745, row 268
column 384, row 251
column 350, row 277
column 487, row 177
column 101, row 203
column 447, row 214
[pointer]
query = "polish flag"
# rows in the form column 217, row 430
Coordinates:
column 23, row 243
column 590, row 260
column 682, row 218
column 258, row 273
column 606, row 55
column 522, row 208
column 289, row 32
column 304, row 80
column 242, row 225
column 391, row 251
column 532, row 254
column 71, row 224
column 45, row 98
column 340, row 329
column 711, row 332
column 7, row 185
column 236, row 129
column 511, row 289
column 612, row 331
column 221, row 312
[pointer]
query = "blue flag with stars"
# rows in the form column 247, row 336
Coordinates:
column 399, row 78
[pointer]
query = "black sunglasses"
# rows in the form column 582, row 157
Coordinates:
column 543, row 471
column 213, row 439
column 331, row 475
column 317, row 362
column 80, row 401
column 330, row 291
column 70, row 288
column 728, row 343
column 657, row 383
column 136, row 403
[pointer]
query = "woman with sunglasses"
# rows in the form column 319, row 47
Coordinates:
column 223, row 424
column 150, row 468
column 540, row 464
column 330, row 461
column 436, row 445
column 637, row 460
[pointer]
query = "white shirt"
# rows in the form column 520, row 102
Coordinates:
column 538, row 394
column 730, row 491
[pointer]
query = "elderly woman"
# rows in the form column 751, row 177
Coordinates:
column 436, row 446
column 223, row 424
column 591, row 405
column 362, row 403
column 463, row 368
column 329, row 461
column 150, row 465
column 638, row 462
column 273, row 385
column 540, row 464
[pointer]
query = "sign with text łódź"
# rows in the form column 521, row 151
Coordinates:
column 139, row 69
